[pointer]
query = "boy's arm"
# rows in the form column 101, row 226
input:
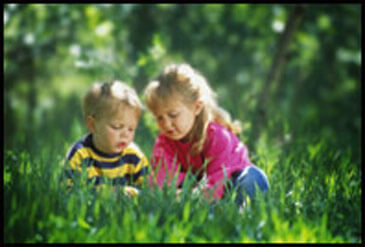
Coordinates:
column 139, row 174
column 71, row 168
column 141, row 171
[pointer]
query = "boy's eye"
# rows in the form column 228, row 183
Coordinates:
column 117, row 126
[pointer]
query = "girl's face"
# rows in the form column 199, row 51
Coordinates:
column 176, row 119
column 112, row 135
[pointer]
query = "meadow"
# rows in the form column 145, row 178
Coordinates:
column 315, row 196
column 309, row 143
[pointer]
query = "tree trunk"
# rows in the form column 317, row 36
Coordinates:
column 278, row 64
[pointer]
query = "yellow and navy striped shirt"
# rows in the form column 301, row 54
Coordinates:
column 126, row 168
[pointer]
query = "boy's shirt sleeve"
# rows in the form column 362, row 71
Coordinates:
column 72, row 165
column 141, row 168
column 164, row 159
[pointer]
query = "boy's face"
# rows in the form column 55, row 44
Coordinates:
column 114, row 133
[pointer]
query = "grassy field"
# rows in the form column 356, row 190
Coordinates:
column 315, row 196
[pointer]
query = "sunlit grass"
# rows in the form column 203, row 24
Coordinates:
column 315, row 196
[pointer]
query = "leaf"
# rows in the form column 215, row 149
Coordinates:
column 83, row 223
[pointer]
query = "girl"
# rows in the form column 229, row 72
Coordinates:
column 197, row 134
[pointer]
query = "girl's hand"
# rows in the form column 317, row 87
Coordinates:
column 201, row 188
column 196, row 191
column 203, row 192
column 178, row 192
column 130, row 191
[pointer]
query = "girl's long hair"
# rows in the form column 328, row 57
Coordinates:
column 182, row 82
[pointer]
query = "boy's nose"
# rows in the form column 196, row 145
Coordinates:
column 124, row 132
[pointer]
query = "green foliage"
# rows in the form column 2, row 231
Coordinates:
column 302, row 206
column 309, row 147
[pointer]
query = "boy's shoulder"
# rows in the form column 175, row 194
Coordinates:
column 85, row 141
column 133, row 148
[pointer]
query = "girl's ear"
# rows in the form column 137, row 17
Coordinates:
column 90, row 123
column 198, row 107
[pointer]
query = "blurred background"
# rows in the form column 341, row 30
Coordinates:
column 284, row 70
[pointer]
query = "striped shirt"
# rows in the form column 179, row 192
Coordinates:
column 126, row 168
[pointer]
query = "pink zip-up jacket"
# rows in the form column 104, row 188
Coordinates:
column 221, row 150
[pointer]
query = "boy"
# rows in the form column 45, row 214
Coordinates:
column 111, row 112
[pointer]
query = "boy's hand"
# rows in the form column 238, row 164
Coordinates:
column 130, row 191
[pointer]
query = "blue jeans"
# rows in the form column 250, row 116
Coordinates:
column 245, row 181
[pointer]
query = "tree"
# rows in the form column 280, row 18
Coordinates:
column 278, row 64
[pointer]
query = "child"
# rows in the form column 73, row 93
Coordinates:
column 194, row 131
column 111, row 112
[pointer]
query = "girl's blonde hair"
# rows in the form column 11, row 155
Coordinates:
column 103, row 99
column 182, row 81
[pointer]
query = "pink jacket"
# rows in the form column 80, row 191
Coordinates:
column 221, row 149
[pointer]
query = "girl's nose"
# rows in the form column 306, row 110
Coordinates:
column 166, row 123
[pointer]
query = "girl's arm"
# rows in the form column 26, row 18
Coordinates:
column 165, row 164
column 225, row 154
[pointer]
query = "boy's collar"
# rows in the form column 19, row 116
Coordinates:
column 89, row 143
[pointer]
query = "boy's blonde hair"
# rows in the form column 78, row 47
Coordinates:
column 182, row 82
column 103, row 99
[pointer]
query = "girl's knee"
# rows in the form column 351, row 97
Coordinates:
column 254, row 175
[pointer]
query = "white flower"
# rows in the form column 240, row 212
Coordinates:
column 29, row 39
column 278, row 26
column 75, row 50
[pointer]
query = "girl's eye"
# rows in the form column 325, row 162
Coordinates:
column 173, row 115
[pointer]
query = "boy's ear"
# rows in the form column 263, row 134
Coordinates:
column 90, row 123
column 198, row 107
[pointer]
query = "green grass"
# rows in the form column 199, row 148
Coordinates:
column 315, row 196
